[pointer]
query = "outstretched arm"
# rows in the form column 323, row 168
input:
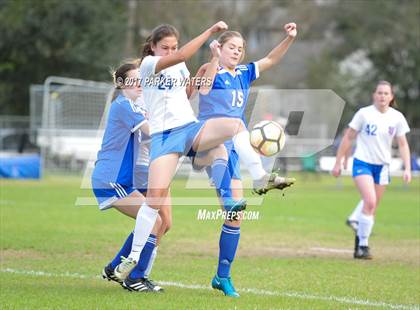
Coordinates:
column 343, row 149
column 189, row 49
column 211, row 69
column 405, row 155
column 278, row 52
column 207, row 72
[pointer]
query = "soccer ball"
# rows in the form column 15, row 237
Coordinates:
column 267, row 138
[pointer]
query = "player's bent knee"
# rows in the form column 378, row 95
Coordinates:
column 236, row 126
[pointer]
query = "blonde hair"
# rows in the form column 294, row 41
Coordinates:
column 393, row 102
column 227, row 35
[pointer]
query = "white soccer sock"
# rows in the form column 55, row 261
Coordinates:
column 365, row 228
column 151, row 261
column 248, row 156
column 145, row 220
column 356, row 212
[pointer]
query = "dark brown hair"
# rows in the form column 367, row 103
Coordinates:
column 393, row 102
column 227, row 35
column 159, row 33
column 120, row 75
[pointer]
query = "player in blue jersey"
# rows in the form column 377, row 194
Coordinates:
column 228, row 97
column 112, row 178
column 175, row 131
column 375, row 127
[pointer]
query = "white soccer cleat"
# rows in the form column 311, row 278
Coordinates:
column 124, row 268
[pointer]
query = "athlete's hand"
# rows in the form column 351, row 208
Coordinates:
column 407, row 176
column 336, row 170
column 215, row 48
column 220, row 26
column 291, row 29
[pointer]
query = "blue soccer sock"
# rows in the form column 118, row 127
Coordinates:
column 221, row 178
column 229, row 239
column 146, row 253
column 124, row 251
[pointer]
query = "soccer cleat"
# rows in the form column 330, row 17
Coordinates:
column 233, row 207
column 272, row 181
column 153, row 286
column 352, row 224
column 108, row 274
column 356, row 243
column 141, row 285
column 362, row 252
column 124, row 268
column 225, row 285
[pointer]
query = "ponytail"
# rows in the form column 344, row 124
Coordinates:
column 147, row 47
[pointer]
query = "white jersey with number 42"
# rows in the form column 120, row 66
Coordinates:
column 165, row 95
column 376, row 131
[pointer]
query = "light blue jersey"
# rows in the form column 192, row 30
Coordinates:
column 229, row 94
column 117, row 156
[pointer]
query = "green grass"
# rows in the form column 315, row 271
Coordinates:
column 280, row 256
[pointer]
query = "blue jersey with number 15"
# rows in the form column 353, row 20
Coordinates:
column 229, row 94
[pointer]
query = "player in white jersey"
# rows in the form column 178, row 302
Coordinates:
column 375, row 127
column 112, row 178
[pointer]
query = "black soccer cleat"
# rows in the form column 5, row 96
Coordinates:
column 108, row 274
column 155, row 288
column 362, row 252
column 141, row 285
column 356, row 243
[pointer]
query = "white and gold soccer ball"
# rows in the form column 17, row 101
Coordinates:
column 267, row 138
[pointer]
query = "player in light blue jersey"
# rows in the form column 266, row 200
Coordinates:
column 375, row 127
column 228, row 97
column 112, row 178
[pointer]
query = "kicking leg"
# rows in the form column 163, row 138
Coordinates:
column 218, row 130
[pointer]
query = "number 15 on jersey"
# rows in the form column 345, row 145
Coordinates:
column 237, row 98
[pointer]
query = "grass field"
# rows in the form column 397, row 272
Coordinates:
column 296, row 256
